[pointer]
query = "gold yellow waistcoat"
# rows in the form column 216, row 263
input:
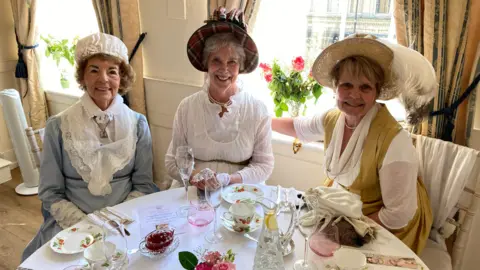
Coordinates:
column 367, row 184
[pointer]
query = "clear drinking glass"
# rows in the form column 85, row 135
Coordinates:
column 213, row 196
column 307, row 232
column 184, row 161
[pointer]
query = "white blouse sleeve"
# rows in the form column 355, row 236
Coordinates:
column 179, row 137
column 310, row 128
column 261, row 164
column 398, row 182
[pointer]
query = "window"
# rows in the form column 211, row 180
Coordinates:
column 285, row 29
column 62, row 20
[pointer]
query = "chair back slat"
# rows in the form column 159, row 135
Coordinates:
column 32, row 140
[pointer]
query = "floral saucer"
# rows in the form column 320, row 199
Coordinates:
column 155, row 255
column 76, row 238
column 240, row 192
column 255, row 224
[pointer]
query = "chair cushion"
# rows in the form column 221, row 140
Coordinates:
column 436, row 257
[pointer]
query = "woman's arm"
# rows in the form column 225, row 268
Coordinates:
column 51, row 190
column 261, row 164
column 142, row 176
column 398, row 183
column 284, row 126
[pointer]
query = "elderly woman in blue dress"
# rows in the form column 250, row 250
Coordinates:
column 97, row 153
column 227, row 128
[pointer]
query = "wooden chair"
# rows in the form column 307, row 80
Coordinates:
column 460, row 220
column 32, row 140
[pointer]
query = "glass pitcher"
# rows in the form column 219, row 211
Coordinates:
column 272, row 242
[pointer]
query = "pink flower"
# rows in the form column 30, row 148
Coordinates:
column 265, row 67
column 298, row 63
column 224, row 266
column 212, row 257
column 268, row 77
column 203, row 266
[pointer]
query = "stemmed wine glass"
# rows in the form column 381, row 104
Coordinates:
column 213, row 196
column 184, row 161
column 307, row 232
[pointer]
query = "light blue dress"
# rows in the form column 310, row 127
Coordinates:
column 59, row 180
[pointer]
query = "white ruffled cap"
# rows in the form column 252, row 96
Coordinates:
column 100, row 43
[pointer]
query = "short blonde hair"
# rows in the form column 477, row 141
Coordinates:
column 358, row 66
column 127, row 75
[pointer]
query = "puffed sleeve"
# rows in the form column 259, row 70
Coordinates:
column 261, row 165
column 310, row 128
column 142, row 176
column 51, row 190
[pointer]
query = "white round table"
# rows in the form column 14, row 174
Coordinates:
column 46, row 258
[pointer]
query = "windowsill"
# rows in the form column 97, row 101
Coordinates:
column 64, row 96
column 311, row 152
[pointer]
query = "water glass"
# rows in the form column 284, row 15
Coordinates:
column 185, row 162
column 213, row 196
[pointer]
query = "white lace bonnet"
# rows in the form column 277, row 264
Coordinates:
column 100, row 43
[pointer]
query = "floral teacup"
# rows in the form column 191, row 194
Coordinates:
column 241, row 214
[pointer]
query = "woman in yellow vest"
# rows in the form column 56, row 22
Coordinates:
column 366, row 151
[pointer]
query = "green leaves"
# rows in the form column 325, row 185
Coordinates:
column 58, row 49
column 292, row 88
column 188, row 260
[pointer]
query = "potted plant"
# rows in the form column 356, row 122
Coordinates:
column 58, row 50
column 290, row 92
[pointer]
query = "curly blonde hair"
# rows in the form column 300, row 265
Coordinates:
column 127, row 75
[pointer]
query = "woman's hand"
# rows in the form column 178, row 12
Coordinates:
column 205, row 177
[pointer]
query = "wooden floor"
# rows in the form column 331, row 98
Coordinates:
column 20, row 218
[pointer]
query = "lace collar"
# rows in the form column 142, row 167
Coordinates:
column 97, row 163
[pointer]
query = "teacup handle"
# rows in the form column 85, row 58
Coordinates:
column 228, row 216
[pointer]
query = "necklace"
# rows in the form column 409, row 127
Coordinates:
column 102, row 127
column 223, row 105
column 349, row 127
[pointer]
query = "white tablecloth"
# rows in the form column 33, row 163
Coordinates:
column 46, row 258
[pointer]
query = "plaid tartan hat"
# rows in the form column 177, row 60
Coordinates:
column 222, row 22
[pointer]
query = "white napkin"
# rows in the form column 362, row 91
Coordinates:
column 335, row 203
column 100, row 221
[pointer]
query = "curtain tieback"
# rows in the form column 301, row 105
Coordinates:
column 21, row 68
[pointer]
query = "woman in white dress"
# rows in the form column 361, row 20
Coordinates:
column 227, row 128
column 98, row 152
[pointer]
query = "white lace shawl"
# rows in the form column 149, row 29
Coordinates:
column 96, row 162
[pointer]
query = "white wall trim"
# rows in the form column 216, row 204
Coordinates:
column 172, row 82
column 10, row 156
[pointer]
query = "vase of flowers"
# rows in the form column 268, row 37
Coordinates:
column 290, row 87
column 291, row 92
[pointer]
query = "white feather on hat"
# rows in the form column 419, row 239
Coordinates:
column 415, row 79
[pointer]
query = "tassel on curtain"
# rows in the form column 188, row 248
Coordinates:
column 121, row 18
column 26, row 71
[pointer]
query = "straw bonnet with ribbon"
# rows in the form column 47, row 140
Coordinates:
column 100, row 43
column 222, row 22
column 408, row 74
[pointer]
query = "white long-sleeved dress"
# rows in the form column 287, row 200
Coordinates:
column 238, row 142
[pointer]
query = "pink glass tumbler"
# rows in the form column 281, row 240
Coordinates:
column 200, row 213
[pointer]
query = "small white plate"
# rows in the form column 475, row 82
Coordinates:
column 255, row 224
column 76, row 238
column 238, row 192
